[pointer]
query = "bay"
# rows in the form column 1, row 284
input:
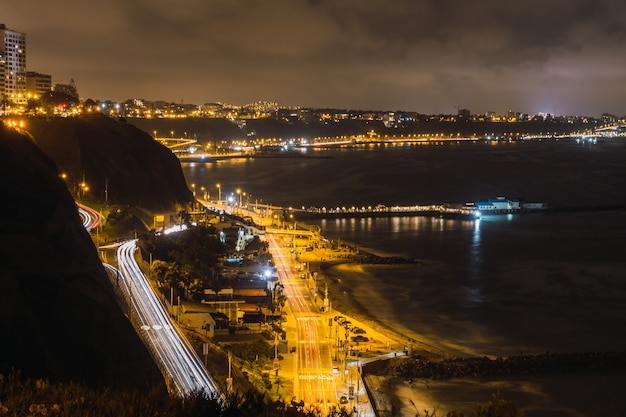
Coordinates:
column 500, row 286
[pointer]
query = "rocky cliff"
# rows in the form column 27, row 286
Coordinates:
column 58, row 316
column 120, row 163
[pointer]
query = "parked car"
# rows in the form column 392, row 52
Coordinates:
column 359, row 338
column 346, row 323
column 358, row 330
column 343, row 400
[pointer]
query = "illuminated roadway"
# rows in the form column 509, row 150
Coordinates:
column 314, row 381
column 175, row 357
column 172, row 351
column 90, row 217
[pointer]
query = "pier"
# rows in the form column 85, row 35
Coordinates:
column 444, row 211
column 289, row 214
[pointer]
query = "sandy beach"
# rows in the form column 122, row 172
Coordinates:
column 355, row 292
column 338, row 272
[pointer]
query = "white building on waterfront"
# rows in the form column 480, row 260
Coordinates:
column 498, row 204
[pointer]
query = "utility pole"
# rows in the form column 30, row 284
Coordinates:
column 229, row 381
column 106, row 191
column 276, row 363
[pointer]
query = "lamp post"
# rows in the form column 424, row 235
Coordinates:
column 219, row 194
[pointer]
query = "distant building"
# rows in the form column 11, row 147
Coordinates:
column 497, row 205
column 464, row 114
column 294, row 115
column 38, row 84
column 390, row 120
column 69, row 89
column 12, row 66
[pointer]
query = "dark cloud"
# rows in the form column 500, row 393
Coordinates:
column 427, row 55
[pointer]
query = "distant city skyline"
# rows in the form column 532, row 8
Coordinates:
column 429, row 57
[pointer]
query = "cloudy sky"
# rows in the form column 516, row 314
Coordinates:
column 430, row 56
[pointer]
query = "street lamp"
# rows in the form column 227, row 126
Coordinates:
column 193, row 187
column 219, row 194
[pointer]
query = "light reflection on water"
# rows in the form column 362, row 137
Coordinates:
column 474, row 290
column 521, row 276
column 531, row 273
column 501, row 285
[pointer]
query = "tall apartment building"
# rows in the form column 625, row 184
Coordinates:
column 12, row 66
column 38, row 84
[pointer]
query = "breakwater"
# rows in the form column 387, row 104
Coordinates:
column 419, row 368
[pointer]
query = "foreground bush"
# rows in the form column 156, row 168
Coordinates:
column 32, row 398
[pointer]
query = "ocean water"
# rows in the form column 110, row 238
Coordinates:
column 499, row 286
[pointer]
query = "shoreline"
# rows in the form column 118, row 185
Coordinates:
column 328, row 264
column 465, row 387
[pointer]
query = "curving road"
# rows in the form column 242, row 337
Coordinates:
column 184, row 372
column 90, row 217
column 171, row 350
column 314, row 381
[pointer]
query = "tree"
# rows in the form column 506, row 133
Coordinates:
column 166, row 274
column 58, row 99
column 189, row 258
column 278, row 297
column 90, row 105
column 184, row 217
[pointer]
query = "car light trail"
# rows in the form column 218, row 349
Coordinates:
column 314, row 382
column 173, row 353
column 90, row 217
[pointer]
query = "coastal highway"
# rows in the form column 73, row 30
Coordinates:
column 314, row 382
column 90, row 217
column 185, row 374
column 171, row 350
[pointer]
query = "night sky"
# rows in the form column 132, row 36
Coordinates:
column 566, row 57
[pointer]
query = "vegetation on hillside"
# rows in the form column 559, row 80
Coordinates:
column 185, row 261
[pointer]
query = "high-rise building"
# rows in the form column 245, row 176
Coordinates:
column 12, row 66
column 38, row 84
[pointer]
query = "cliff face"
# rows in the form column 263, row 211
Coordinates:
column 120, row 163
column 58, row 316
